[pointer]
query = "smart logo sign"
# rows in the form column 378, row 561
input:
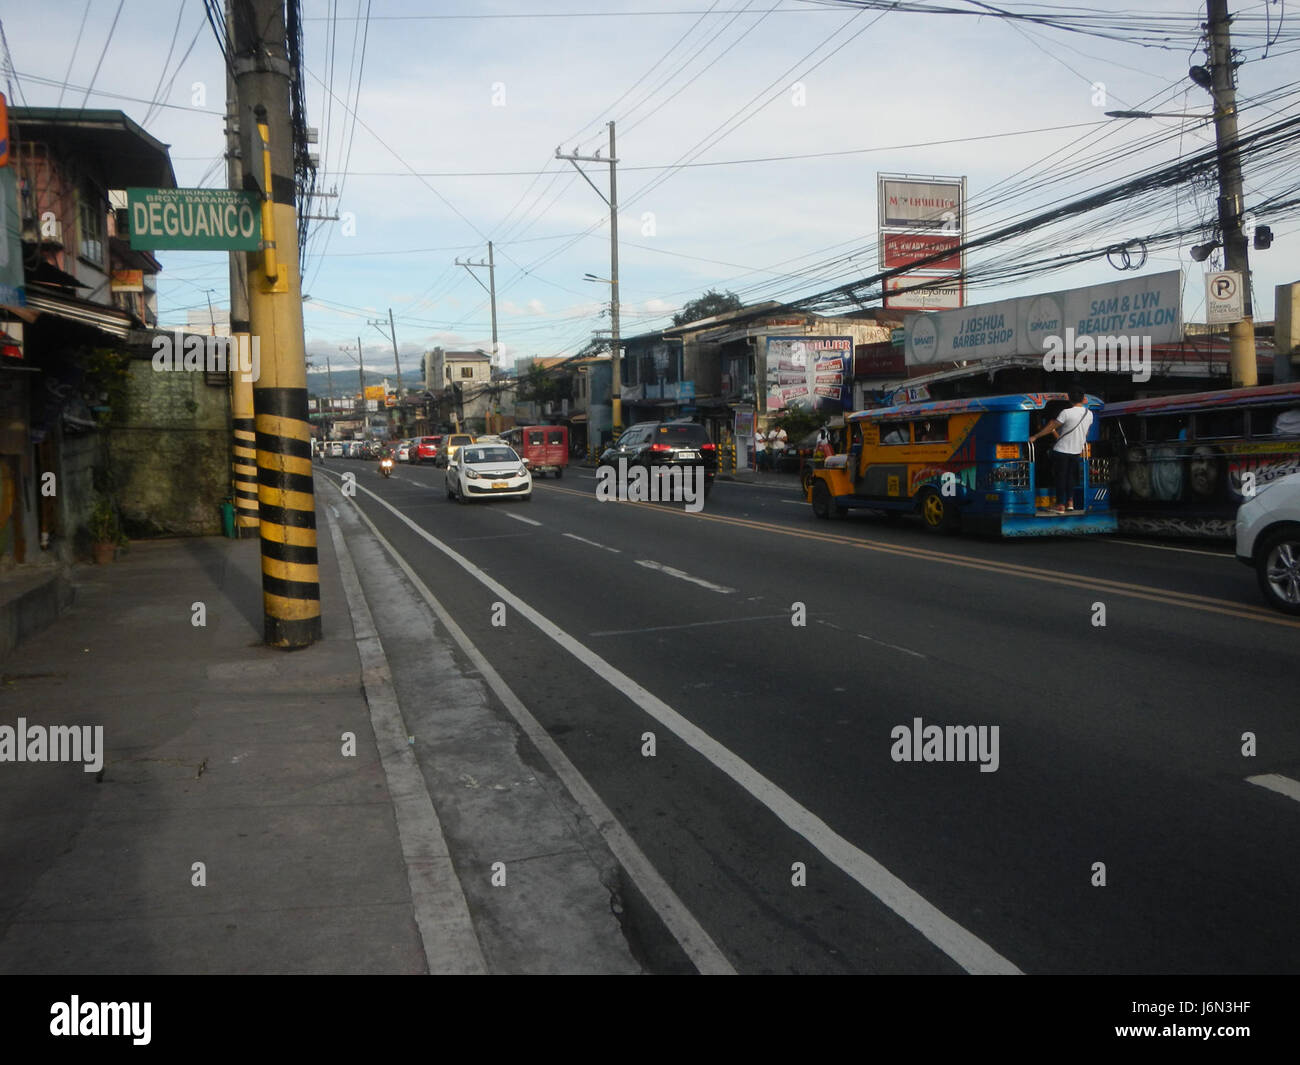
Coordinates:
column 194, row 219
column 1145, row 309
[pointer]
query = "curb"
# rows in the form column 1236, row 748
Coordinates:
column 33, row 609
column 441, row 912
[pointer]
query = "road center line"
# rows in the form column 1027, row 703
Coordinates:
column 1276, row 782
column 961, row 945
column 682, row 575
column 592, row 543
column 689, row 625
column 520, row 517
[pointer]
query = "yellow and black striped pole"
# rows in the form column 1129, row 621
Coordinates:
column 244, row 445
column 286, row 500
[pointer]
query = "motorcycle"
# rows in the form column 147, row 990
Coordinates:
column 386, row 467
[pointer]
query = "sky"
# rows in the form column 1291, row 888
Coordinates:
column 440, row 134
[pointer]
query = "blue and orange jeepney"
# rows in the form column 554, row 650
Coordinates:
column 963, row 464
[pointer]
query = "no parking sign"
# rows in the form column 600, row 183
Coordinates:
column 1223, row 302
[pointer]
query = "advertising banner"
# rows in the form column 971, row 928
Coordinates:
column 1146, row 308
column 927, row 205
column 810, row 373
column 12, row 282
column 922, row 292
column 903, row 249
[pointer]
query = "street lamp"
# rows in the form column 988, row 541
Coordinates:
column 1157, row 114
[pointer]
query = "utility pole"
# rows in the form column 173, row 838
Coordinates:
column 286, row 493
column 616, row 390
column 329, row 377
column 1231, row 207
column 490, row 289
column 391, row 333
column 397, row 363
column 243, row 444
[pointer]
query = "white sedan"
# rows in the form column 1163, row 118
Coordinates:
column 484, row 472
column 1268, row 540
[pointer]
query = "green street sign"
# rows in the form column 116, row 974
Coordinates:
column 194, row 219
column 897, row 337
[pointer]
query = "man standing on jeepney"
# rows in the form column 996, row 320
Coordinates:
column 1071, row 427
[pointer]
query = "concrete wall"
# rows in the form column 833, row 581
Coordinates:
column 170, row 453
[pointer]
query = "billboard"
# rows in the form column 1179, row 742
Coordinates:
column 810, row 373
column 923, row 292
column 1147, row 307
column 903, row 249
column 920, row 219
column 925, row 205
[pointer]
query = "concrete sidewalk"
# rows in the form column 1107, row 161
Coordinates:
column 222, row 752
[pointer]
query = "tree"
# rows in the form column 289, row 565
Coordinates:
column 706, row 306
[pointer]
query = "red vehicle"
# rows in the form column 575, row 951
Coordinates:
column 426, row 449
column 546, row 447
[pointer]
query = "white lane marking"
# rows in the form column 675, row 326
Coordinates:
column 1165, row 547
column 593, row 543
column 695, row 942
column 796, row 502
column 1276, row 782
column 962, row 946
column 441, row 912
column 688, row 625
column 520, row 517
column 498, row 536
column 681, row 575
column 872, row 639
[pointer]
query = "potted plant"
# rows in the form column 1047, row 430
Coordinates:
column 105, row 532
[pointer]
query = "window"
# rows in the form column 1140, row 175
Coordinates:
column 683, row 434
column 555, row 436
column 90, row 224
column 1281, row 420
column 467, row 371
column 1163, row 428
column 930, row 430
column 1219, row 424
column 535, row 438
column 895, row 433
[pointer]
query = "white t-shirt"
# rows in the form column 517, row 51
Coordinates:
column 1075, row 423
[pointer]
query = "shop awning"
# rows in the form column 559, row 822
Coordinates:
column 98, row 315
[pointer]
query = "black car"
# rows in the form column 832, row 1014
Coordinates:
column 665, row 444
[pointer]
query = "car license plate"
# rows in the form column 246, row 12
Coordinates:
column 500, row 484
column 688, row 454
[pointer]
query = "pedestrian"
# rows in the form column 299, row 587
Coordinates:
column 760, row 452
column 777, row 440
column 823, row 447
column 1071, row 430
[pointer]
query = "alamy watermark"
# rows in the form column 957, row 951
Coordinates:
column 242, row 354
column 946, row 743
column 653, row 484
column 102, row 1018
column 1102, row 354
column 53, row 743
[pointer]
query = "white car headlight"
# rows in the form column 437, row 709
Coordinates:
column 471, row 474
column 522, row 471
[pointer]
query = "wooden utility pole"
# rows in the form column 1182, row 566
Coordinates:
column 1236, row 255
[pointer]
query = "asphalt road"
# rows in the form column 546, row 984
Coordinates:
column 1119, row 745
